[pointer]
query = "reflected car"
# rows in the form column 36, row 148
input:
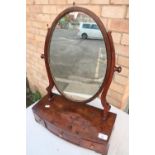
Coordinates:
column 89, row 30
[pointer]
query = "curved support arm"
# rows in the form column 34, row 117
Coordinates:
column 112, row 68
column 45, row 57
column 49, row 91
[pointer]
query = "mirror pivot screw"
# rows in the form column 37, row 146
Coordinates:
column 118, row 69
column 42, row 56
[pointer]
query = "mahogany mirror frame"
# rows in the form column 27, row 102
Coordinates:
column 110, row 52
column 51, row 111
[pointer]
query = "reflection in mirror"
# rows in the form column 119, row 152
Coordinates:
column 77, row 56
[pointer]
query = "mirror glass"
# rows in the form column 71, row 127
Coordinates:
column 77, row 56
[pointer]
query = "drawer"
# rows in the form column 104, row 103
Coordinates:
column 98, row 147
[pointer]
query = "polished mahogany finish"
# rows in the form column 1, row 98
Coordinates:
column 78, row 122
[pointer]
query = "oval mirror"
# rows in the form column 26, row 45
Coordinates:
column 77, row 56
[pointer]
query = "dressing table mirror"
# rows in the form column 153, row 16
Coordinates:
column 80, row 62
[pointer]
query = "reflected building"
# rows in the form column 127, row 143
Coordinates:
column 73, row 19
column 81, row 17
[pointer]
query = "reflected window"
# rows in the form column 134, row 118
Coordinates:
column 86, row 26
column 94, row 26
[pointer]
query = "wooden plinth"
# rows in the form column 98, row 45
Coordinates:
column 80, row 124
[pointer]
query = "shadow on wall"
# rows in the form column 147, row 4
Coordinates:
column 31, row 97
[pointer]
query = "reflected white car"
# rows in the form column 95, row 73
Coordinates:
column 89, row 30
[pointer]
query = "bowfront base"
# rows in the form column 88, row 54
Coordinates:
column 80, row 123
